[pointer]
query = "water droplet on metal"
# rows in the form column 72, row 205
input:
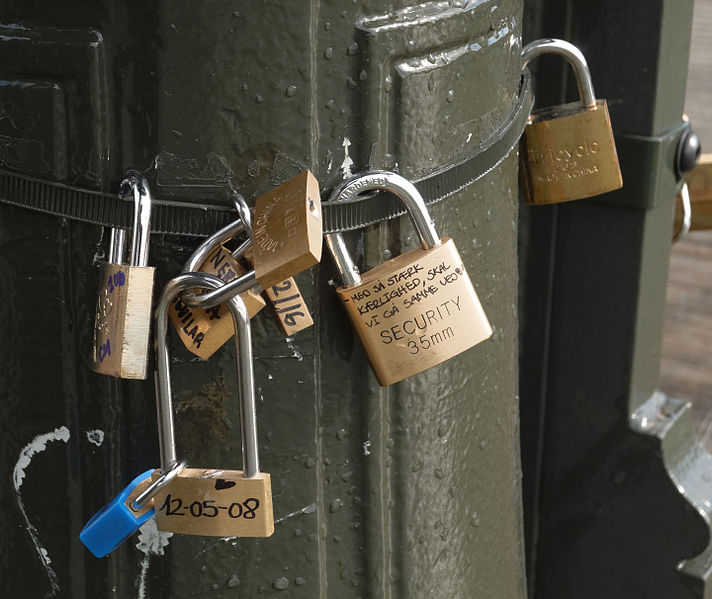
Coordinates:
column 290, row 91
column 327, row 26
column 329, row 53
column 341, row 434
column 310, row 462
column 281, row 583
column 388, row 83
column 233, row 581
column 335, row 505
column 350, row 83
column 259, row 99
column 439, row 473
column 299, row 581
column 352, row 48
column 363, row 75
column 450, row 95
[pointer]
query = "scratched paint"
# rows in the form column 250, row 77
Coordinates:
column 96, row 437
column 151, row 541
column 37, row 445
column 347, row 163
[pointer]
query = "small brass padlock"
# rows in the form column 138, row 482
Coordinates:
column 287, row 230
column 568, row 152
column 223, row 503
column 122, row 324
column 413, row 311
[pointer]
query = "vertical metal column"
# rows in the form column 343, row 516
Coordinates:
column 409, row 491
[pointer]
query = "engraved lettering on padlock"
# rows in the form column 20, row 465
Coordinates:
column 287, row 230
column 208, row 501
column 568, row 152
column 123, row 313
column 417, row 309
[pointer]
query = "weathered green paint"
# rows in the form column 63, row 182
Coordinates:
column 411, row 491
column 615, row 492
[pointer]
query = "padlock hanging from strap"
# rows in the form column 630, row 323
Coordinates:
column 417, row 309
column 201, row 501
column 123, row 312
column 567, row 152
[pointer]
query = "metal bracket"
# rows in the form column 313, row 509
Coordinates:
column 648, row 166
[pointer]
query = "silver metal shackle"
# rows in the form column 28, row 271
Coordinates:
column 575, row 58
column 136, row 183
column 236, row 286
column 399, row 186
column 243, row 358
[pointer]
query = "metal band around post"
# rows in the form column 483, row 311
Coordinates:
column 243, row 356
column 404, row 190
column 200, row 218
column 575, row 58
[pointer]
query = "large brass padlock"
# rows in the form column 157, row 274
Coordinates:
column 413, row 311
column 567, row 152
column 123, row 312
column 212, row 502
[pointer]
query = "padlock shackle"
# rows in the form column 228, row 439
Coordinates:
column 117, row 241
column 399, row 186
column 135, row 183
column 243, row 357
column 200, row 255
column 575, row 58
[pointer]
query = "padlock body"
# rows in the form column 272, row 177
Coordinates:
column 122, row 324
column 119, row 519
column 287, row 230
column 415, row 311
column 568, row 153
column 220, row 503
column 203, row 332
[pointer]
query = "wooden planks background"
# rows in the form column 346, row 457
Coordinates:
column 686, row 369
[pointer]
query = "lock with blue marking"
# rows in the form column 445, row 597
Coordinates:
column 126, row 513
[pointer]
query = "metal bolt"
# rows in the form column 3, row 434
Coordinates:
column 688, row 153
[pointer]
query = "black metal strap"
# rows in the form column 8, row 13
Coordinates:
column 200, row 219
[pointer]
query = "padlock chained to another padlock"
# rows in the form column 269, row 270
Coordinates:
column 567, row 151
column 411, row 312
column 285, row 248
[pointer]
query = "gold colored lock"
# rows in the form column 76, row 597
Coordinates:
column 287, row 230
column 122, row 323
column 567, row 152
column 212, row 502
column 413, row 311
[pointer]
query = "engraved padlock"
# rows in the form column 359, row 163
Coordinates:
column 203, row 501
column 204, row 331
column 122, row 324
column 286, row 239
column 417, row 309
column 568, row 152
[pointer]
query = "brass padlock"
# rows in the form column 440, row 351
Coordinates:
column 567, row 152
column 286, row 239
column 204, row 331
column 122, row 324
column 413, row 311
column 287, row 230
column 212, row 502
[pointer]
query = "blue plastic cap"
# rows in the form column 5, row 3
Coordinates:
column 114, row 523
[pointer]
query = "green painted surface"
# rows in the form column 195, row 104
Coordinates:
column 411, row 491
